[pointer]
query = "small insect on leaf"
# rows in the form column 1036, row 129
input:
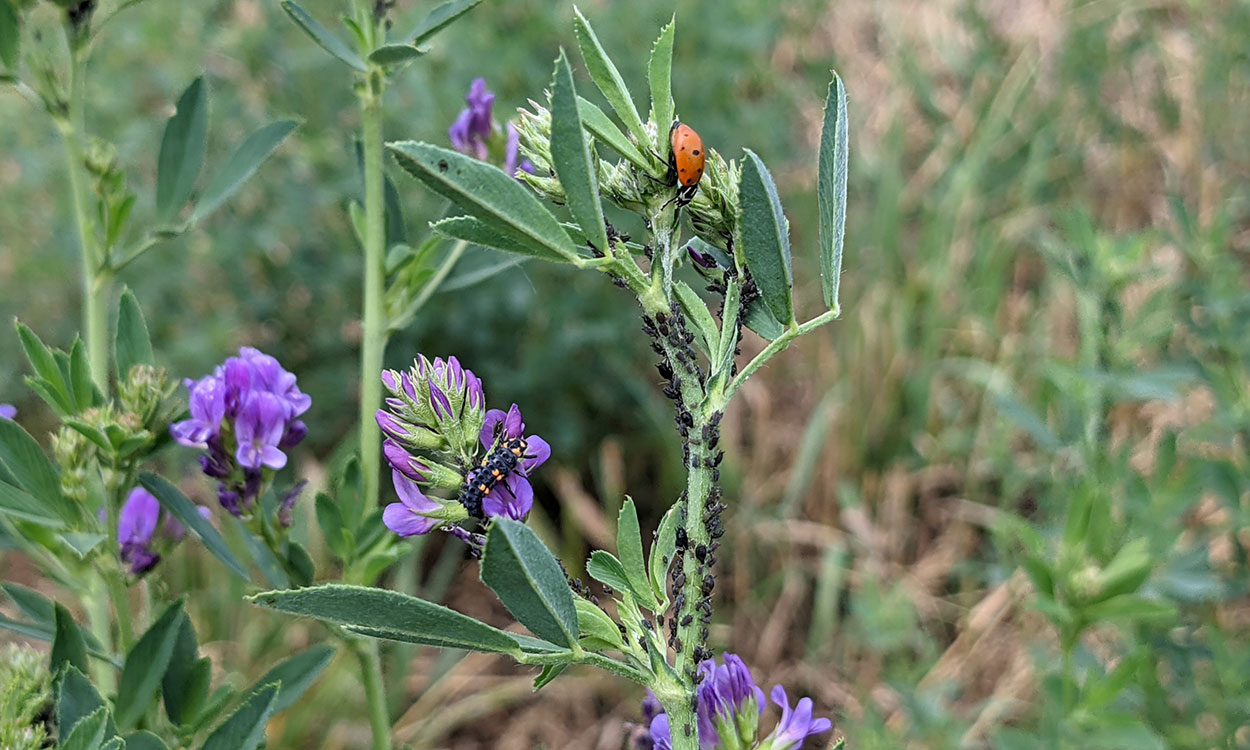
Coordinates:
column 686, row 158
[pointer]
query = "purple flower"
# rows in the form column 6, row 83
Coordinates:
column 406, row 517
column 704, row 260
column 796, row 725
column 475, row 131
column 475, row 123
column 513, row 497
column 8, row 411
column 137, row 525
column 660, row 734
column 245, row 416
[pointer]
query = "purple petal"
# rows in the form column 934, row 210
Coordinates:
column 390, row 425
column 660, row 734
column 136, row 523
column 438, row 400
column 487, row 435
column 512, row 499
column 8, row 411
column 401, row 520
column 513, row 427
column 538, row 450
column 412, row 496
column 458, row 133
column 390, row 380
column 510, row 151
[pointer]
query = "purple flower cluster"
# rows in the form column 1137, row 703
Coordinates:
column 440, row 435
column 729, row 709
column 475, row 129
column 140, row 531
column 8, row 411
column 246, row 416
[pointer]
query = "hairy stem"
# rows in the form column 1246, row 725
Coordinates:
column 366, row 650
column 373, row 344
column 775, row 347
column 121, row 607
column 95, row 278
column 97, row 605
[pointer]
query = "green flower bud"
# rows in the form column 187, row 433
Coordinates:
column 25, row 699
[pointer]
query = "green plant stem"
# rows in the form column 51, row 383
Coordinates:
column 373, row 344
column 775, row 347
column 121, row 606
column 375, row 694
column 431, row 286
column 97, row 605
column 95, row 278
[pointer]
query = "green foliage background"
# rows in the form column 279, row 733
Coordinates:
column 1045, row 288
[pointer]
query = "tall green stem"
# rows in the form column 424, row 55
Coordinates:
column 95, row 277
column 97, row 604
column 374, row 314
column 375, row 694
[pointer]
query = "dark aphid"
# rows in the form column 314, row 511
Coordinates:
column 687, row 620
column 700, row 552
column 683, row 540
column 709, row 582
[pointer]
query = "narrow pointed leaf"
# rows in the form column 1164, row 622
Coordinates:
column 606, row 569
column 440, row 18
column 241, row 165
column 178, row 683
column 182, row 151
column 605, row 75
column 696, row 310
column 87, row 734
column 68, row 646
column 831, row 189
column 487, row 193
column 480, row 233
column 145, row 666
column 764, row 237
column 662, row 550
column 660, row 76
column 295, row 675
column 368, row 609
column 526, row 577
column 570, row 155
column 728, row 334
column 629, row 548
column 594, row 622
column 25, row 462
column 759, row 318
column 549, row 673
column 44, row 365
column 185, row 511
column 20, row 504
column 10, row 35
column 76, row 698
column 606, row 131
column 131, row 344
column 86, row 395
column 322, row 36
column 390, row 55
column 245, row 729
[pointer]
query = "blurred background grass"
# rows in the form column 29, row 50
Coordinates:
column 1045, row 283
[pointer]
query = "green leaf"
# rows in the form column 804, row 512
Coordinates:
column 478, row 232
column 594, row 622
column 322, row 36
column 182, row 151
column 663, row 548
column 145, row 666
column 300, row 563
column 401, row 616
column 570, row 155
column 697, row 312
column 391, row 55
column 526, row 577
column 88, row 733
column 85, row 393
column 606, row 569
column 144, row 740
column 660, row 76
column 728, row 341
column 213, row 707
column 336, row 534
column 270, row 566
column 17, row 503
column 549, row 673
column 76, row 698
column 26, row 463
column 245, row 729
column 10, row 35
column 764, row 236
column 180, row 689
column 82, row 543
column 629, row 547
column 1130, row 609
column 131, row 344
column 44, row 364
column 487, row 193
column 34, row 605
column 831, row 189
column 185, row 511
column 68, row 647
column 605, row 75
column 440, row 18
column 295, row 675
column 602, row 128
column 241, row 165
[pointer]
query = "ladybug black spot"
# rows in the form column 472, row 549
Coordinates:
column 695, row 152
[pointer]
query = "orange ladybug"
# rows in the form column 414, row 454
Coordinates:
column 687, row 157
